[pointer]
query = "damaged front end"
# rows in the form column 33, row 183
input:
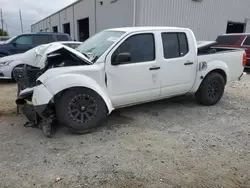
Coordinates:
column 40, row 116
column 34, row 100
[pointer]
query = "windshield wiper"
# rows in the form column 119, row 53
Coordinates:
column 85, row 54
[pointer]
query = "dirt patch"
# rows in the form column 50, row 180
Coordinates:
column 8, row 93
column 172, row 143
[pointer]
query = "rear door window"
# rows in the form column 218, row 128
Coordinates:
column 174, row 45
column 228, row 40
column 43, row 39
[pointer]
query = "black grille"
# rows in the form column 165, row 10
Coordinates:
column 26, row 76
column 30, row 75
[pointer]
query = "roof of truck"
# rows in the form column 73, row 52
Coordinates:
column 133, row 29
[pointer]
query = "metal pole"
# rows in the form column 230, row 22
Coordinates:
column 2, row 22
column 6, row 27
column 21, row 21
column 134, row 14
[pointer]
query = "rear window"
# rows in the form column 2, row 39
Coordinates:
column 228, row 40
column 62, row 37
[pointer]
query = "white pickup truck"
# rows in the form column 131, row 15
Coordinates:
column 128, row 66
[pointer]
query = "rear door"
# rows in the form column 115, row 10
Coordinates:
column 22, row 44
column 178, row 63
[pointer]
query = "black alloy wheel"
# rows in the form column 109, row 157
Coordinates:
column 82, row 108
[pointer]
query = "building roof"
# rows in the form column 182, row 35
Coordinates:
column 58, row 11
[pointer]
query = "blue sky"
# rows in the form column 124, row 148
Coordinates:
column 32, row 11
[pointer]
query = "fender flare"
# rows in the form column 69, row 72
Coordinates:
column 211, row 66
column 62, row 82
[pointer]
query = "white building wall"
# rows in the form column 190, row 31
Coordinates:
column 66, row 16
column 47, row 24
column 114, row 14
column 84, row 9
column 207, row 19
column 40, row 26
column 54, row 21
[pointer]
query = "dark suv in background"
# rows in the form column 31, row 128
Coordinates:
column 24, row 42
column 241, row 40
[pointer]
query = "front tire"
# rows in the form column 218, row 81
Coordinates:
column 81, row 110
column 211, row 89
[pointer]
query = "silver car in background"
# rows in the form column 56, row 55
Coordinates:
column 9, row 63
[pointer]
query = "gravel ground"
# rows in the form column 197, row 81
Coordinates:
column 170, row 143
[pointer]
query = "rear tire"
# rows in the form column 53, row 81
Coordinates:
column 211, row 89
column 81, row 110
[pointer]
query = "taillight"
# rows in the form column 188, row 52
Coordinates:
column 244, row 60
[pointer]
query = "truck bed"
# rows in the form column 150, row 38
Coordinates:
column 232, row 57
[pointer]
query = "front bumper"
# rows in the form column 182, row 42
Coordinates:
column 40, row 98
column 41, row 95
column 41, row 113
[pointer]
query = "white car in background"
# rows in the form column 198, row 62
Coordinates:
column 9, row 63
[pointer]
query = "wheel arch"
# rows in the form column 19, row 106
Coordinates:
column 202, row 78
column 57, row 84
column 213, row 66
column 219, row 71
column 58, row 95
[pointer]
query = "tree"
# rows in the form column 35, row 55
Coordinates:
column 3, row 33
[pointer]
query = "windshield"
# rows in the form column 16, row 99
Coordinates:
column 9, row 40
column 95, row 46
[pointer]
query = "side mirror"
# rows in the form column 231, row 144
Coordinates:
column 14, row 43
column 121, row 58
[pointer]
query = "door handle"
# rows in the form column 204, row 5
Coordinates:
column 154, row 68
column 189, row 63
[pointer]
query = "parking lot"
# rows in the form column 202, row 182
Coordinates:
column 169, row 143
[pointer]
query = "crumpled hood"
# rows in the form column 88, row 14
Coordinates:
column 37, row 56
column 11, row 58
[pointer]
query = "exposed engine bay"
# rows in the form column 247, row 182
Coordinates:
column 56, row 59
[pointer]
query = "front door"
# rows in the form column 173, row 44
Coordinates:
column 137, row 80
column 178, row 66
column 22, row 44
